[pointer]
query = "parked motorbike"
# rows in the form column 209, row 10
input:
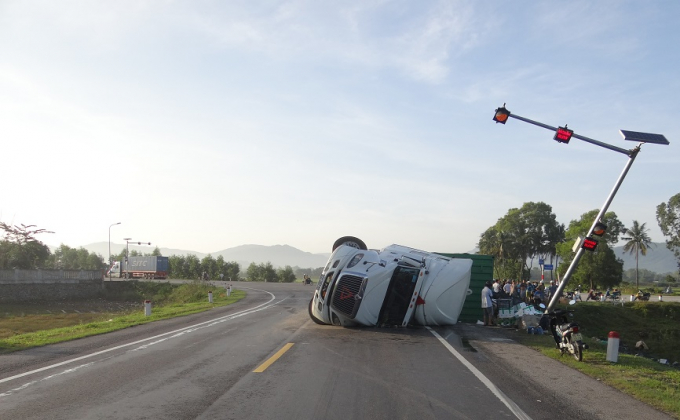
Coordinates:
column 566, row 333
column 643, row 296
column 575, row 295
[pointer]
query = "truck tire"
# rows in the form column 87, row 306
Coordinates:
column 350, row 241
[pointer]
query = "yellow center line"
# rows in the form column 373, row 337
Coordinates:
column 273, row 359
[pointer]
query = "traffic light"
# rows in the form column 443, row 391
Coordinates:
column 600, row 229
column 563, row 134
column 501, row 115
column 589, row 244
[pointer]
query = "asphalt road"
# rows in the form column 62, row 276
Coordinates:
column 263, row 358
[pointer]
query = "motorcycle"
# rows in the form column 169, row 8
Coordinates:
column 642, row 296
column 575, row 295
column 566, row 333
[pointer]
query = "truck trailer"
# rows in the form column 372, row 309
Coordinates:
column 395, row 286
column 140, row 268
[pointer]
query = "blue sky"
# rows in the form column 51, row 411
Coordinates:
column 205, row 125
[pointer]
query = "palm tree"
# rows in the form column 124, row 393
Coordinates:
column 638, row 241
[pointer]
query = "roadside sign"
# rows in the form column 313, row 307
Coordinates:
column 548, row 266
column 540, row 261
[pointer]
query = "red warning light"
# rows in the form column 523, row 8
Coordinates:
column 600, row 229
column 589, row 244
column 501, row 115
column 563, row 134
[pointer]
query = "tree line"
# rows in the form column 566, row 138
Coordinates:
column 190, row 267
column 517, row 241
column 531, row 233
column 20, row 249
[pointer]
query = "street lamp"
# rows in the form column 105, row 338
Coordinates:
column 127, row 253
column 563, row 135
column 110, row 248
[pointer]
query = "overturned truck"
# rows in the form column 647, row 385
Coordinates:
column 397, row 285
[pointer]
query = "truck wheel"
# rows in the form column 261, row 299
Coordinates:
column 350, row 241
column 311, row 315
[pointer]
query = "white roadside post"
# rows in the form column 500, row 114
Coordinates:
column 613, row 347
column 210, row 299
column 229, row 290
column 147, row 308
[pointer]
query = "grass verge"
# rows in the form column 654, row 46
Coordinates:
column 171, row 301
column 643, row 378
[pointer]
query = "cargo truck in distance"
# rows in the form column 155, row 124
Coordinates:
column 140, row 268
column 395, row 286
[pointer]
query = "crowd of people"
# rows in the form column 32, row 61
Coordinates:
column 529, row 292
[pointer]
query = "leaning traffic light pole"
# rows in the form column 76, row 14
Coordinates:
column 598, row 228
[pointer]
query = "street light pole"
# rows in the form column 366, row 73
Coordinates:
column 563, row 135
column 127, row 254
column 574, row 263
column 110, row 248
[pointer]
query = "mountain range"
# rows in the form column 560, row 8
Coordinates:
column 277, row 255
column 659, row 259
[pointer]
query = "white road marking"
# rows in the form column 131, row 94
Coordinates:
column 174, row 333
column 26, row 385
column 518, row 412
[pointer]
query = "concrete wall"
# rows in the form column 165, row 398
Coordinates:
column 23, row 285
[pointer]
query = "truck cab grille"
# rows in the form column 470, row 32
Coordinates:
column 344, row 299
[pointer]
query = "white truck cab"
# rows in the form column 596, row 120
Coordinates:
column 397, row 285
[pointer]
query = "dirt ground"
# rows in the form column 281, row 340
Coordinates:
column 30, row 317
column 66, row 307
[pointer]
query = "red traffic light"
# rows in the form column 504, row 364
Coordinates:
column 589, row 244
column 501, row 115
column 600, row 229
column 563, row 134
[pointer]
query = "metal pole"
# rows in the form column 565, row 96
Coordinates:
column 127, row 251
column 579, row 254
column 110, row 248
column 577, row 136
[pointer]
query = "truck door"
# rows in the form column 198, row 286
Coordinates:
column 398, row 296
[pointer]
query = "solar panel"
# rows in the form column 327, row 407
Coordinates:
column 644, row 137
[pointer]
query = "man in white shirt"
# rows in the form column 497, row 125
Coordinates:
column 507, row 287
column 487, row 304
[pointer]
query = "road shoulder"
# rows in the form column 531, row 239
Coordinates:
column 552, row 378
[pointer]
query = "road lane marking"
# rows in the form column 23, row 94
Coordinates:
column 87, row 356
column 518, row 412
column 273, row 359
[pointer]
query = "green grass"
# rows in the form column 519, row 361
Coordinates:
column 169, row 301
column 656, row 323
column 646, row 380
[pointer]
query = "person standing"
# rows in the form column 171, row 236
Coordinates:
column 487, row 304
column 496, row 288
column 507, row 287
column 552, row 289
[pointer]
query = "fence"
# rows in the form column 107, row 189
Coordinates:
column 22, row 285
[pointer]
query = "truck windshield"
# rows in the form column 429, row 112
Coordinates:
column 398, row 296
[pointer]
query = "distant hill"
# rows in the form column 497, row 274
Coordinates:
column 659, row 259
column 277, row 255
